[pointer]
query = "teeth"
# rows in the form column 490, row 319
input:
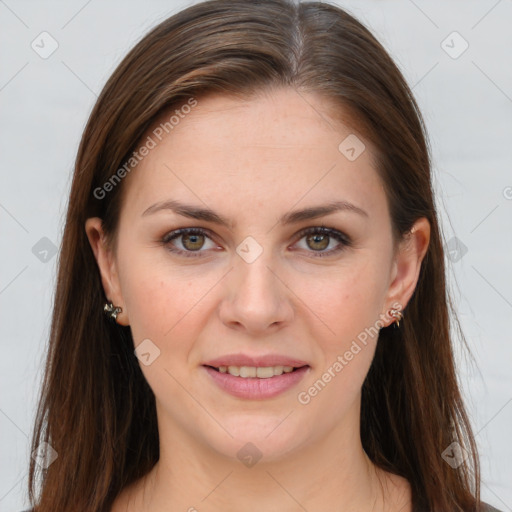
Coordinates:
column 264, row 372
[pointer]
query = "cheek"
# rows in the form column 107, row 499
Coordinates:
column 148, row 304
column 349, row 304
column 159, row 309
column 165, row 308
column 166, row 304
column 347, row 300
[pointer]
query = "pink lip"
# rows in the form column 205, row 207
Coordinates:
column 254, row 388
column 261, row 361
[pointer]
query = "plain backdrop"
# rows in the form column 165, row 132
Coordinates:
column 463, row 83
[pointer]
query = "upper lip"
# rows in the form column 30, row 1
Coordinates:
column 258, row 361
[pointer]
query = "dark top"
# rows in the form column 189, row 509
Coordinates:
column 490, row 509
column 487, row 508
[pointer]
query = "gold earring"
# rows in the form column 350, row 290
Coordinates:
column 397, row 315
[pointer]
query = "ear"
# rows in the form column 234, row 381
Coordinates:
column 407, row 264
column 107, row 266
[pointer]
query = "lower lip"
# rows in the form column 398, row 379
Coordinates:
column 254, row 388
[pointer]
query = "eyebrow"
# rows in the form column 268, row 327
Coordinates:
column 207, row 215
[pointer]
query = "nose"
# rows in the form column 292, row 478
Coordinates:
column 256, row 299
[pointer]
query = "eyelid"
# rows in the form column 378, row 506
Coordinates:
column 333, row 232
column 343, row 239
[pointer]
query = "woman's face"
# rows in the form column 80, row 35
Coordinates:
column 267, row 283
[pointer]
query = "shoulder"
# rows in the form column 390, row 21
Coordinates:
column 487, row 508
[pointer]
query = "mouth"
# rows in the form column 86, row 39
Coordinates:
column 256, row 382
column 259, row 372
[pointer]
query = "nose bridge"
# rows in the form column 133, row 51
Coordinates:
column 254, row 279
column 257, row 298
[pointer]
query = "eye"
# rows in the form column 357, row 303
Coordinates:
column 316, row 238
column 319, row 238
column 192, row 240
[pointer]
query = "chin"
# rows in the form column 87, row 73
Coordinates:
column 258, row 439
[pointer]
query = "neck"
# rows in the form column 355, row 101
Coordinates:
column 332, row 473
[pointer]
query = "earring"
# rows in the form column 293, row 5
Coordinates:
column 397, row 315
column 112, row 311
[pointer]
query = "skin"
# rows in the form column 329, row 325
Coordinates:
column 251, row 162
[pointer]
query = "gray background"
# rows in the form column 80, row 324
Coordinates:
column 467, row 103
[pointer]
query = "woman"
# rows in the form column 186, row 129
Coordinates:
column 251, row 309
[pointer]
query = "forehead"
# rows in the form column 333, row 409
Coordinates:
column 273, row 149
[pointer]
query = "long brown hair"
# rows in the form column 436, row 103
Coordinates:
column 96, row 410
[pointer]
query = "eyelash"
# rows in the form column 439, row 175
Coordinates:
column 344, row 240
